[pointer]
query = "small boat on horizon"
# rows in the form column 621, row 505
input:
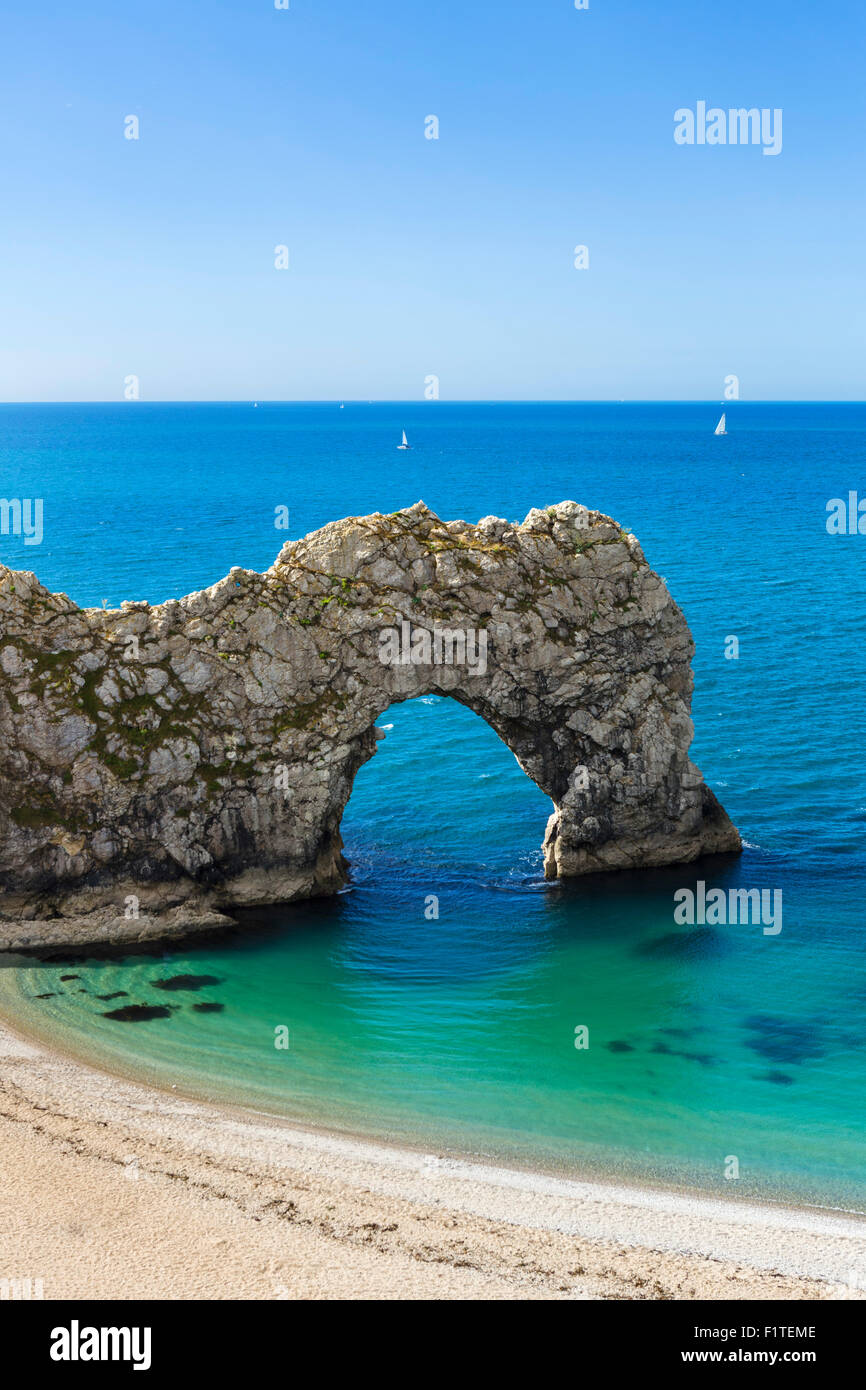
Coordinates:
column 405, row 444
column 720, row 427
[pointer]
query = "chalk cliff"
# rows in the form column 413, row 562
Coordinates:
column 160, row 766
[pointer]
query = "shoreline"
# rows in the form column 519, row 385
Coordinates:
column 634, row 1185
column 299, row 1212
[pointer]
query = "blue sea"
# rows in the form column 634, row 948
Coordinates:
column 719, row 1058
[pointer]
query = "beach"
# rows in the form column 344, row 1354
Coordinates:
column 113, row 1190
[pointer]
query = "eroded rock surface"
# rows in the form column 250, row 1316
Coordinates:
column 162, row 765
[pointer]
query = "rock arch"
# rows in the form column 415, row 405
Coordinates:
column 162, row 765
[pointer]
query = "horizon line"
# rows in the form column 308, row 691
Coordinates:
column 467, row 400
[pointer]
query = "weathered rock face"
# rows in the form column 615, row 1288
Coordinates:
column 162, row 765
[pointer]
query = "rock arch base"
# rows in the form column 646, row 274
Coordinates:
column 163, row 765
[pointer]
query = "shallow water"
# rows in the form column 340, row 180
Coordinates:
column 457, row 1031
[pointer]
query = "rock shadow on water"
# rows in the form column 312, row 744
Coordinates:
column 778, row 1078
column 783, row 1039
column 698, row 944
column 186, row 982
column 617, row 1045
column 138, row 1013
column 117, row 994
column 208, row 1008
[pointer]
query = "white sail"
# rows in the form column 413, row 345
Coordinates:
column 405, row 440
column 720, row 427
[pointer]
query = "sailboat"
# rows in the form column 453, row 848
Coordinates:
column 405, row 444
column 720, row 427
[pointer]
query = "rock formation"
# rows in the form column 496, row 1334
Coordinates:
column 160, row 766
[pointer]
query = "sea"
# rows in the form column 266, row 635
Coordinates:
column 449, row 998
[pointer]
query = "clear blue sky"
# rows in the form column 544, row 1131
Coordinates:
column 409, row 256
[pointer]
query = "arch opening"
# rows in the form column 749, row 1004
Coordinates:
column 443, row 792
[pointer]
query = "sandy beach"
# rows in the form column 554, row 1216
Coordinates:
column 112, row 1190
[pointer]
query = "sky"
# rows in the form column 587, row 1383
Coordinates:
column 411, row 258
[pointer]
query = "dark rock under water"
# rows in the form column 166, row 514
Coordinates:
column 186, row 982
column 138, row 1013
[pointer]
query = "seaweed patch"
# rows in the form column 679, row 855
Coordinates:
column 704, row 1058
column 783, row 1040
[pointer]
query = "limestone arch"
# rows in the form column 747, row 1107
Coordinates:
column 212, row 770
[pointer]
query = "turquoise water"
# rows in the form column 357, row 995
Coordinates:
column 457, row 1032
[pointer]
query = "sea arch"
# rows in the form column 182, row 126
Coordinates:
column 196, row 756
